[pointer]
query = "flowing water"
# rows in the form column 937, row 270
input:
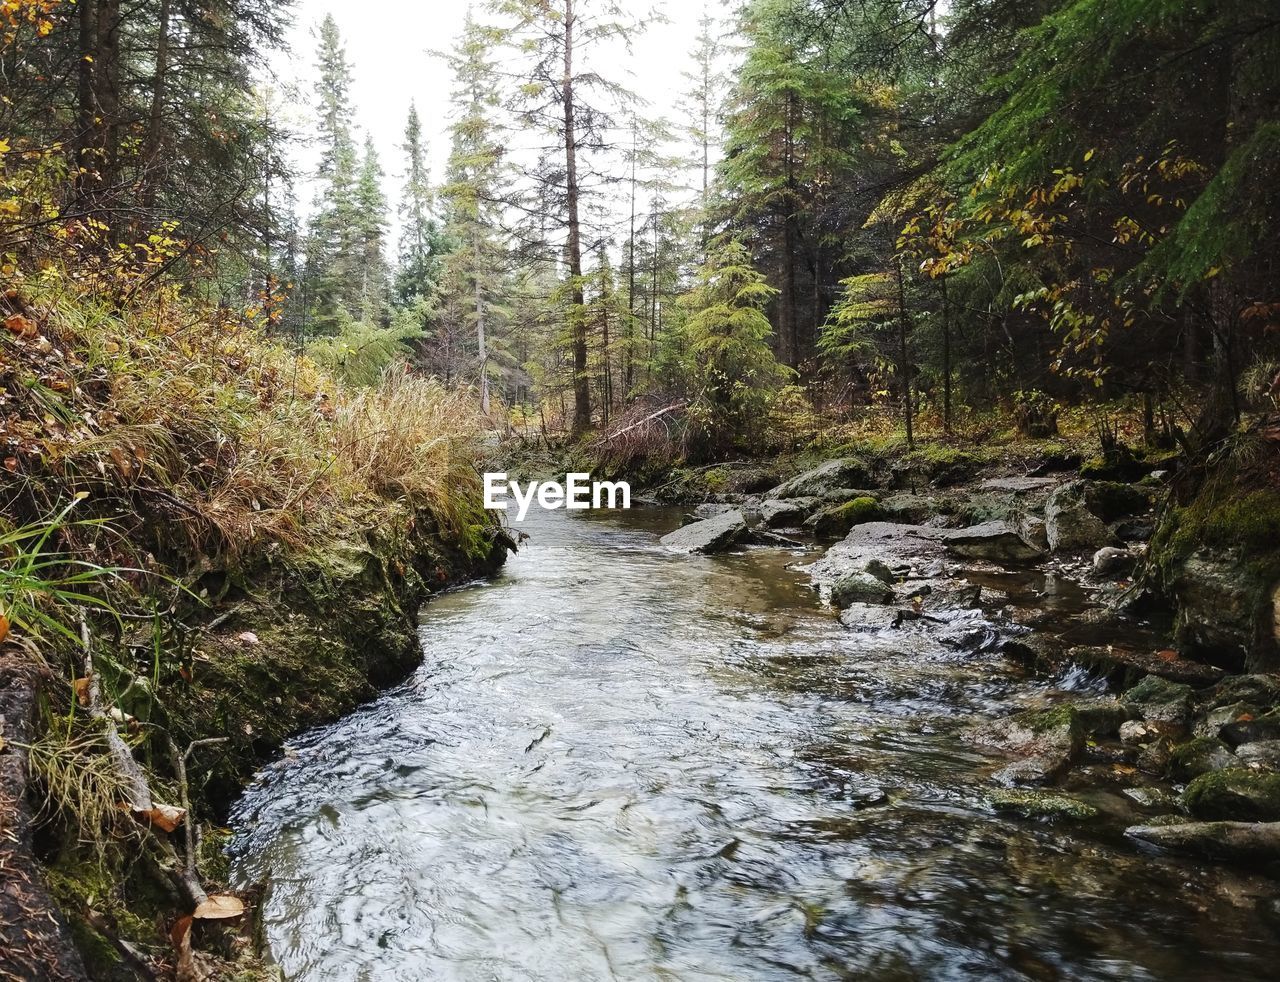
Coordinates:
column 619, row 763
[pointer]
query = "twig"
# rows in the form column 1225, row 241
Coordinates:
column 648, row 419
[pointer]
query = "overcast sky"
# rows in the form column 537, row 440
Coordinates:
column 388, row 44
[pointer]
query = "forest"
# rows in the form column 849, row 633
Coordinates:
column 903, row 283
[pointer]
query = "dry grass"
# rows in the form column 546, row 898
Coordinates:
column 162, row 407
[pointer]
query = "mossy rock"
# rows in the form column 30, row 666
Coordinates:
column 837, row 520
column 1203, row 755
column 1234, row 795
column 1030, row 803
column 1154, row 690
column 1122, row 464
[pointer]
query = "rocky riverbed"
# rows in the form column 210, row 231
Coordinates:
column 1043, row 569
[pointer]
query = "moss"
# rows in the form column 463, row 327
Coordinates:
column 1042, row 804
column 1048, row 720
column 1234, row 795
column 839, row 519
column 1203, row 755
column 1156, row 690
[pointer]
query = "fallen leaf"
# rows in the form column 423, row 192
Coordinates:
column 4, row 628
column 218, row 907
column 11, row 464
column 81, row 687
column 1245, row 718
column 166, row 817
column 180, row 935
column 248, row 637
column 1168, row 654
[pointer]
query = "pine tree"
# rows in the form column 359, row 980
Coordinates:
column 420, row 241
column 371, row 206
column 566, row 96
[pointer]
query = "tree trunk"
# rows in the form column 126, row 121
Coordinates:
column 483, row 349
column 106, row 78
column 151, row 152
column 578, row 324
column 88, row 139
column 787, row 334
column 628, row 353
column 946, row 360
column 904, row 363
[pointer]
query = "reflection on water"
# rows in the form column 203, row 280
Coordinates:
column 618, row 763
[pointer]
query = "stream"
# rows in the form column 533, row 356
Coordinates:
column 620, row 763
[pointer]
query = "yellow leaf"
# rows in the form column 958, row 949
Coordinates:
column 1088, row 156
column 218, row 907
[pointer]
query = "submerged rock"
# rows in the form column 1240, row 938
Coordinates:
column 995, row 541
column 1237, row 793
column 843, row 472
column 1239, row 841
column 905, row 546
column 710, row 535
column 874, row 617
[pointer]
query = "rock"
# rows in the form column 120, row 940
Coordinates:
column 860, row 588
column 1110, row 562
column 1155, row 690
column 1245, row 731
column 995, row 541
column 843, row 472
column 1235, row 794
column 835, row 521
column 1238, row 841
column 710, row 509
column 1141, row 731
column 1041, row 804
column 1155, row 798
column 1069, row 524
column 1133, row 530
column 1019, row 485
column 1112, row 500
column 864, row 795
column 1153, row 758
column 1031, row 529
column 1101, row 717
column 906, row 546
column 1039, row 652
column 790, row 513
column 880, row 570
column 1049, row 740
column 1259, row 690
column 1123, row 667
column 1203, row 755
column 1262, row 755
column 940, row 594
column 1216, row 606
column 838, row 496
column 1155, row 699
column 874, row 617
column 709, row 535
column 912, row 508
column 1214, row 720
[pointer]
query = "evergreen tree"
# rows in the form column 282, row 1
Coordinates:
column 420, row 240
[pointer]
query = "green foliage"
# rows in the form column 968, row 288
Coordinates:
column 732, row 371
column 360, row 353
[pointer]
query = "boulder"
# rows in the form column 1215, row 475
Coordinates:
column 1031, row 529
column 709, row 535
column 1203, row 755
column 788, row 513
column 860, row 587
column 899, row 546
column 1261, row 755
column 995, row 541
column 1258, row 690
column 1234, row 794
column 913, row 508
column 1110, row 562
column 1069, row 524
column 1224, row 613
column 710, row 509
column 835, row 521
column 1048, row 740
column 1237, row 841
column 874, row 617
column 843, row 472
column 1101, row 717
column 1019, row 485
column 1113, row 500
column 1242, row 731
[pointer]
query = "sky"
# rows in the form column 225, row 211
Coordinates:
column 388, row 44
